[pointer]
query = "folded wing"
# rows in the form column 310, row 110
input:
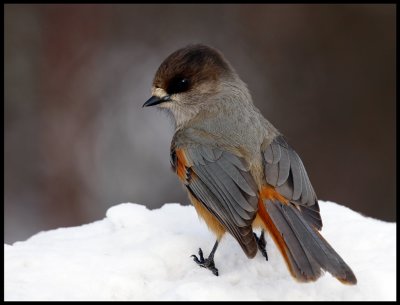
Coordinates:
column 221, row 181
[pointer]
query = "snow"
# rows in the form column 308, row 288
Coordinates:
column 140, row 254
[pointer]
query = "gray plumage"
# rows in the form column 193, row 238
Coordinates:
column 232, row 157
column 309, row 250
column 285, row 170
column 219, row 184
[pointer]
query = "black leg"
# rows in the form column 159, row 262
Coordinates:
column 261, row 242
column 208, row 262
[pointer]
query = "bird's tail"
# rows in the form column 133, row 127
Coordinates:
column 305, row 251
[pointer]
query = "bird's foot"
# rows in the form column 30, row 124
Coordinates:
column 261, row 242
column 205, row 263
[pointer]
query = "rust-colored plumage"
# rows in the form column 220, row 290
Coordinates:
column 181, row 165
column 268, row 224
column 213, row 224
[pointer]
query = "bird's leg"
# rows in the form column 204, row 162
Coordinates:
column 261, row 242
column 208, row 262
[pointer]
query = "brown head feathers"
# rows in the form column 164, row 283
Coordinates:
column 190, row 66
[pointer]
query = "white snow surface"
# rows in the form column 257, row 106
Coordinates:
column 139, row 254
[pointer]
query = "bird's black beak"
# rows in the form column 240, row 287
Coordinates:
column 155, row 100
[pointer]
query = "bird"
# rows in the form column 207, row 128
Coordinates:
column 239, row 171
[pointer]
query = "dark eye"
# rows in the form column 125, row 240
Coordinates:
column 178, row 85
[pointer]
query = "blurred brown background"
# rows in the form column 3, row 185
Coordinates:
column 77, row 140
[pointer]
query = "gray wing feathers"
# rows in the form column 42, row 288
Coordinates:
column 309, row 251
column 201, row 192
column 272, row 154
column 207, row 153
column 311, row 215
column 236, row 176
column 229, row 195
column 209, row 197
column 195, row 156
column 303, row 265
column 308, row 194
column 296, row 174
column 227, row 190
column 286, row 189
column 272, row 173
column 238, row 162
column 284, row 167
column 285, row 170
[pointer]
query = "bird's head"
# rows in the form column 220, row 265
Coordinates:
column 189, row 80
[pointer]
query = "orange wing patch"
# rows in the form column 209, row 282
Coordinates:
column 269, row 192
column 181, row 164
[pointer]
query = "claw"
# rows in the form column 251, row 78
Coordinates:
column 207, row 263
column 261, row 243
column 195, row 259
column 201, row 254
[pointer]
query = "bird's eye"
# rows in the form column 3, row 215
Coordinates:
column 178, row 85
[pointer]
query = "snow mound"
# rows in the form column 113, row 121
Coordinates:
column 140, row 254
